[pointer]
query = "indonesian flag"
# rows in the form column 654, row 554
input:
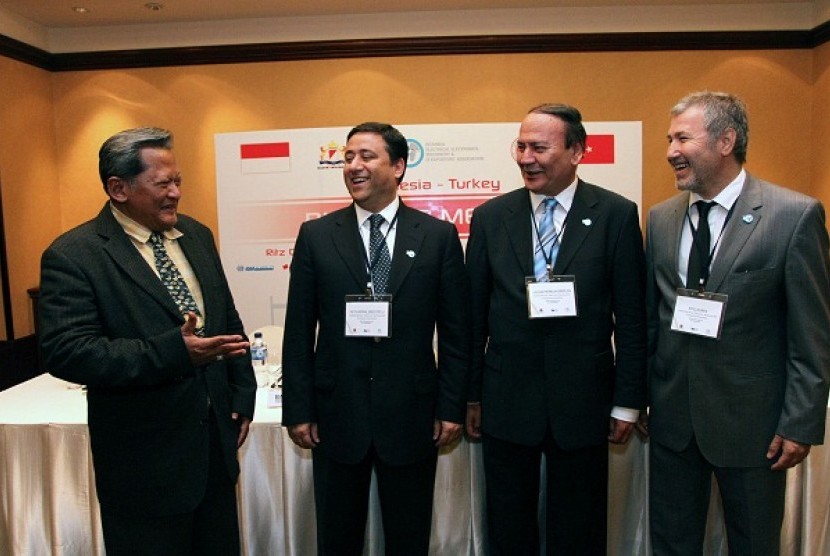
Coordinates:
column 599, row 150
column 265, row 158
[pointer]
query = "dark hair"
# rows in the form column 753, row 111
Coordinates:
column 721, row 111
column 574, row 130
column 396, row 145
column 120, row 155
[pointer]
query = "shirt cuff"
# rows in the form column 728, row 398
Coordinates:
column 627, row 414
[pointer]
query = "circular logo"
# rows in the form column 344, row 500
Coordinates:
column 416, row 153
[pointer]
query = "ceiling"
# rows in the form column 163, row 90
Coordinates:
column 60, row 13
column 126, row 25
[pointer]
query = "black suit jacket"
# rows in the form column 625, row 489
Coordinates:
column 559, row 372
column 360, row 391
column 108, row 322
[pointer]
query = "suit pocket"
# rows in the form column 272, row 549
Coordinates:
column 753, row 276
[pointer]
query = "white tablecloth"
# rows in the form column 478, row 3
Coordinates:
column 48, row 504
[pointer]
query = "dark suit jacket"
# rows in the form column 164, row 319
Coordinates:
column 360, row 391
column 768, row 373
column 108, row 322
column 558, row 372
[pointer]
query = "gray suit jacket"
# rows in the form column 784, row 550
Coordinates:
column 108, row 322
column 768, row 373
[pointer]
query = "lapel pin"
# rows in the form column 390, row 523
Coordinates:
column 748, row 218
column 587, row 221
column 411, row 254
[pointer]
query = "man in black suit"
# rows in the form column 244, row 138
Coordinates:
column 370, row 284
column 552, row 281
column 135, row 305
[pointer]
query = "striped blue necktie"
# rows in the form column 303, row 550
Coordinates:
column 545, row 241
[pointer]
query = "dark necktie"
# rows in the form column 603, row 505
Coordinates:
column 380, row 261
column 701, row 249
column 172, row 278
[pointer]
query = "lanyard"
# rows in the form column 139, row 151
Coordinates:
column 704, row 271
column 372, row 263
column 549, row 255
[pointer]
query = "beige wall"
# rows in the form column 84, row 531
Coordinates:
column 818, row 153
column 29, row 180
column 197, row 102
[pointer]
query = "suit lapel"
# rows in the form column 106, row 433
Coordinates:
column 349, row 246
column 580, row 221
column 519, row 229
column 745, row 218
column 408, row 240
column 124, row 254
column 672, row 232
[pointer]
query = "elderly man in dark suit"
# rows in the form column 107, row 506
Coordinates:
column 135, row 305
column 556, row 269
column 739, row 335
column 370, row 285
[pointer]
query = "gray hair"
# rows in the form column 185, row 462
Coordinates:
column 721, row 111
column 120, row 155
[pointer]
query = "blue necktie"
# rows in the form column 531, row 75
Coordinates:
column 172, row 279
column 378, row 255
column 545, row 240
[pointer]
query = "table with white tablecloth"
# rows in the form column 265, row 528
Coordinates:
column 48, row 504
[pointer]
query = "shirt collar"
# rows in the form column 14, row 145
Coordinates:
column 388, row 213
column 139, row 232
column 564, row 198
column 728, row 195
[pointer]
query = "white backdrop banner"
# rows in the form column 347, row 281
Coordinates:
column 270, row 182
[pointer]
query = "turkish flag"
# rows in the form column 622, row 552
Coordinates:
column 599, row 150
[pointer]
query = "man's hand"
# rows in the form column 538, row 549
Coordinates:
column 304, row 435
column 641, row 426
column 619, row 431
column 244, row 426
column 207, row 350
column 786, row 453
column 446, row 432
column 474, row 421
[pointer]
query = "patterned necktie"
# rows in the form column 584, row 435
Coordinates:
column 700, row 251
column 172, row 279
column 379, row 255
column 545, row 245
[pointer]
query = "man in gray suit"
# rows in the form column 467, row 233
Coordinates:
column 135, row 305
column 738, row 300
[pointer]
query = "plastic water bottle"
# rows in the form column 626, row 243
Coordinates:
column 259, row 351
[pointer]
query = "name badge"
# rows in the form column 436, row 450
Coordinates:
column 368, row 316
column 699, row 313
column 551, row 299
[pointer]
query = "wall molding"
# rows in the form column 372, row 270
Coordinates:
column 414, row 46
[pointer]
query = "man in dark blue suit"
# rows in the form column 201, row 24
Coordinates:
column 370, row 285
column 556, row 269
column 135, row 305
